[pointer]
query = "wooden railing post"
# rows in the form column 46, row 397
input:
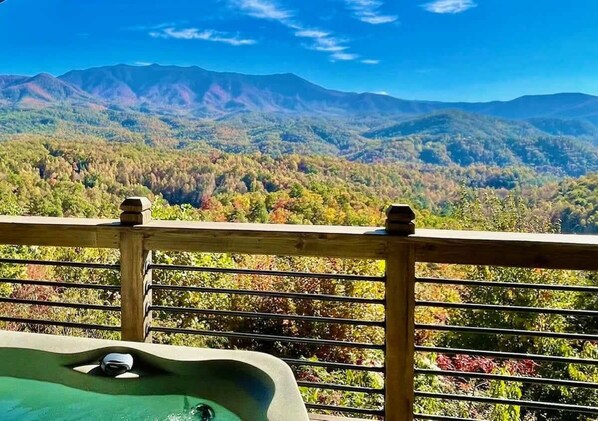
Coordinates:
column 400, row 305
column 135, row 276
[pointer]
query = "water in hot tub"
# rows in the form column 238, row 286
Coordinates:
column 28, row 400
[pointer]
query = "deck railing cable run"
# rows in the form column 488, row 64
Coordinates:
column 428, row 417
column 345, row 409
column 514, row 309
column 273, row 294
column 332, row 365
column 82, row 306
column 60, row 324
column 256, row 315
column 550, row 406
column 512, row 332
column 268, row 338
column 57, row 284
column 260, row 272
column 342, row 387
column 506, row 285
column 505, row 355
column 85, row 265
column 520, row 379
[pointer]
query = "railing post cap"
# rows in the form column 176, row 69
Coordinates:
column 136, row 204
column 399, row 219
column 136, row 211
column 400, row 212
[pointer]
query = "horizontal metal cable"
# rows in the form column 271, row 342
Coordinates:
column 274, row 294
column 315, row 275
column 343, row 387
column 471, row 283
column 347, row 409
column 514, row 402
column 440, row 418
column 333, row 365
column 264, row 337
column 59, row 284
column 87, row 265
column 59, row 304
column 515, row 309
column 57, row 323
column 485, row 376
column 514, row 332
column 249, row 314
column 505, row 355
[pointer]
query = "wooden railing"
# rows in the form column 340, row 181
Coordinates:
column 399, row 245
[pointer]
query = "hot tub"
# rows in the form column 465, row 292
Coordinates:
column 45, row 377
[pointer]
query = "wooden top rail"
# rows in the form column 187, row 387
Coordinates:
column 551, row 251
column 60, row 232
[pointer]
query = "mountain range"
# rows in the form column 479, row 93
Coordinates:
column 189, row 107
column 197, row 92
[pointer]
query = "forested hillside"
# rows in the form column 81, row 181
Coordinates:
column 443, row 139
column 39, row 176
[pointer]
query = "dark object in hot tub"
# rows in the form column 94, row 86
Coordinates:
column 204, row 412
column 114, row 364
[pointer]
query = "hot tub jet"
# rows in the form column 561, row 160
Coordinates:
column 114, row 364
column 204, row 412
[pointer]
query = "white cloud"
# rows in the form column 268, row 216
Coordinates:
column 321, row 39
column 311, row 33
column 264, row 9
column 449, row 6
column 153, row 27
column 327, row 45
column 343, row 56
column 368, row 11
column 370, row 61
column 381, row 93
column 378, row 19
column 204, row 35
column 142, row 63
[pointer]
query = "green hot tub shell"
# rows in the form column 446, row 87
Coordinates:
column 251, row 385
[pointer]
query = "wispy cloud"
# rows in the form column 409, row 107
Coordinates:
column 153, row 27
column 312, row 33
column 320, row 39
column 344, row 56
column 204, row 35
column 264, row 9
column 369, row 11
column 370, row 61
column 142, row 63
column 449, row 6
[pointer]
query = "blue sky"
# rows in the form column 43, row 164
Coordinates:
column 469, row 50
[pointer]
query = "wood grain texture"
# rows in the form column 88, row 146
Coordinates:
column 293, row 240
column 60, row 232
column 550, row 251
column 135, row 294
column 400, row 333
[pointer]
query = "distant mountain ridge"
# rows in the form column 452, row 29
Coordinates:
column 40, row 90
column 164, row 88
column 198, row 92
